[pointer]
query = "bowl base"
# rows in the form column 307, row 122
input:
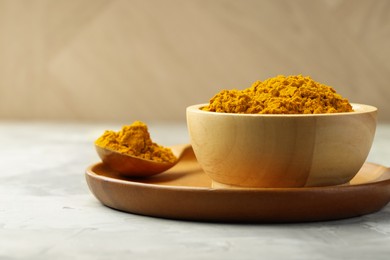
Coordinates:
column 219, row 185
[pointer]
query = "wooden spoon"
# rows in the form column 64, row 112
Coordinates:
column 132, row 166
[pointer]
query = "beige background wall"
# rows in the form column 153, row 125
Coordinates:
column 121, row 60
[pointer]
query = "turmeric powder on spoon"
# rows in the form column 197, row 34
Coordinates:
column 134, row 140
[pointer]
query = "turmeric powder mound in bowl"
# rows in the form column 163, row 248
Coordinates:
column 281, row 95
column 134, row 140
column 282, row 132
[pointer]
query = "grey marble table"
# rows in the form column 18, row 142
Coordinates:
column 47, row 211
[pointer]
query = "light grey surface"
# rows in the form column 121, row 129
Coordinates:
column 47, row 211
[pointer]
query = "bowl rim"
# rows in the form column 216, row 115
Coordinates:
column 361, row 109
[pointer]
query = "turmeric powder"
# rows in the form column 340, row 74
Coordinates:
column 280, row 95
column 135, row 140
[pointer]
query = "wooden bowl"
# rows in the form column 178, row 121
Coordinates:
column 267, row 150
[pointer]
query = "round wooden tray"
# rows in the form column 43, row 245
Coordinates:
column 185, row 192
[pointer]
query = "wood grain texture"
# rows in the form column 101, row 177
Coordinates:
column 123, row 60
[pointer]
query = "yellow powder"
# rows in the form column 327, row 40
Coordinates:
column 135, row 140
column 280, row 95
